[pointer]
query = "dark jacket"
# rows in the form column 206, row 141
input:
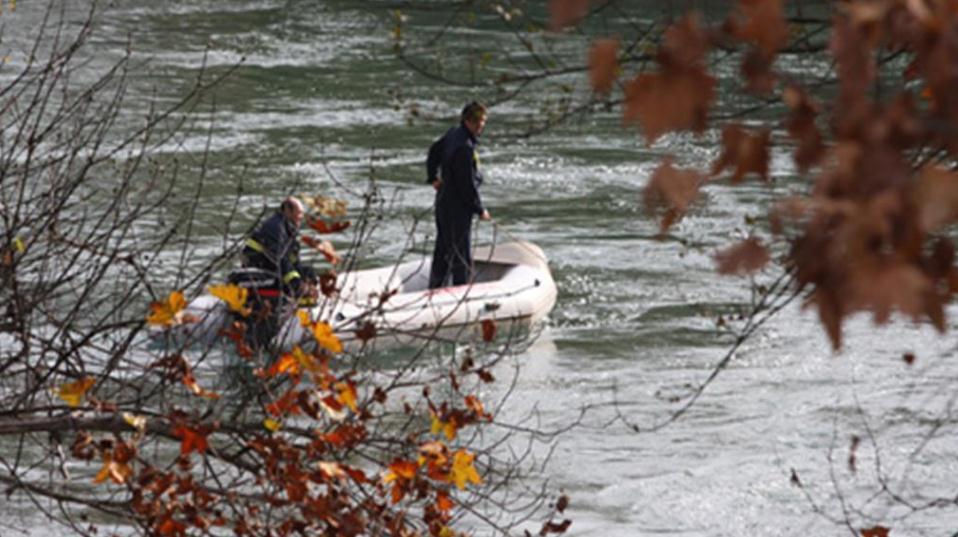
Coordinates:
column 454, row 156
column 274, row 246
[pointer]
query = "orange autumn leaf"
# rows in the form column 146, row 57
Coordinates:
column 116, row 471
column 190, row 381
column 172, row 527
column 326, row 338
column 73, row 392
column 320, row 226
column 463, row 471
column 234, row 296
column 168, row 312
column 400, row 469
column 473, row 403
column 192, row 440
column 286, row 363
column 346, row 394
column 443, row 502
column 742, row 258
column 603, row 64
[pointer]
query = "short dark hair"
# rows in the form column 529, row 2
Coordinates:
column 474, row 110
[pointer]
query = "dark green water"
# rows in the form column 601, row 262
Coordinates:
column 314, row 97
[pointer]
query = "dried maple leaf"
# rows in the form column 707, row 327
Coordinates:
column 326, row 338
column 761, row 23
column 877, row 531
column 743, row 258
column 116, row 471
column 488, row 330
column 190, row 382
column 669, row 101
column 168, row 312
column 672, row 189
column 744, row 152
column 366, row 332
column 565, row 13
column 936, row 197
column 346, row 394
column 463, row 471
column 191, row 439
column 603, row 64
column 321, row 226
column 234, row 296
column 73, row 392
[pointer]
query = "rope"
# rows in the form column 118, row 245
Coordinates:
column 497, row 227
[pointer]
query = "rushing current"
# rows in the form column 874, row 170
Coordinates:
column 319, row 103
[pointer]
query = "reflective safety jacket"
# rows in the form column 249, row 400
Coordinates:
column 274, row 246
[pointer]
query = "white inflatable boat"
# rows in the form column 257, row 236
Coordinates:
column 513, row 288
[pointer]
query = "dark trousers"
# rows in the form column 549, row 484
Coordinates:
column 452, row 255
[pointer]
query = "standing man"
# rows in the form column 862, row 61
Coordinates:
column 452, row 168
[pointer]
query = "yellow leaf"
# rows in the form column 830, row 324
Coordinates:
column 306, row 362
column 304, row 319
column 326, row 338
column 286, row 364
column 447, row 428
column 234, row 296
column 346, row 394
column 272, row 425
column 118, row 472
column 73, row 392
column 137, row 422
column 18, row 244
column 446, row 531
column 462, row 470
column 169, row 312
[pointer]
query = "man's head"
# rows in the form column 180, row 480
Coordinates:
column 474, row 117
column 292, row 209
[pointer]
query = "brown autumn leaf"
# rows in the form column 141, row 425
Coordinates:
column 744, row 152
column 327, row 283
column 565, row 13
column 760, row 23
column 192, row 439
column 488, row 330
column 800, row 125
column 758, row 73
column 562, row 503
column 889, row 287
column 935, row 195
column 877, row 531
column 555, row 527
column 672, row 189
column 669, row 101
column 853, row 448
column 366, row 332
column 908, row 358
column 743, row 258
column 603, row 64
column 856, row 66
column 685, row 44
column 830, row 312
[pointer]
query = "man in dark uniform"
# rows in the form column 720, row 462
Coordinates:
column 452, row 167
column 272, row 271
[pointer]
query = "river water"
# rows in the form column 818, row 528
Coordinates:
column 635, row 325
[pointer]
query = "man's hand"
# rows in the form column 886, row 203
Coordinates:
column 436, row 183
column 485, row 215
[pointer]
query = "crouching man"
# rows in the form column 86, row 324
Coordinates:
column 272, row 271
